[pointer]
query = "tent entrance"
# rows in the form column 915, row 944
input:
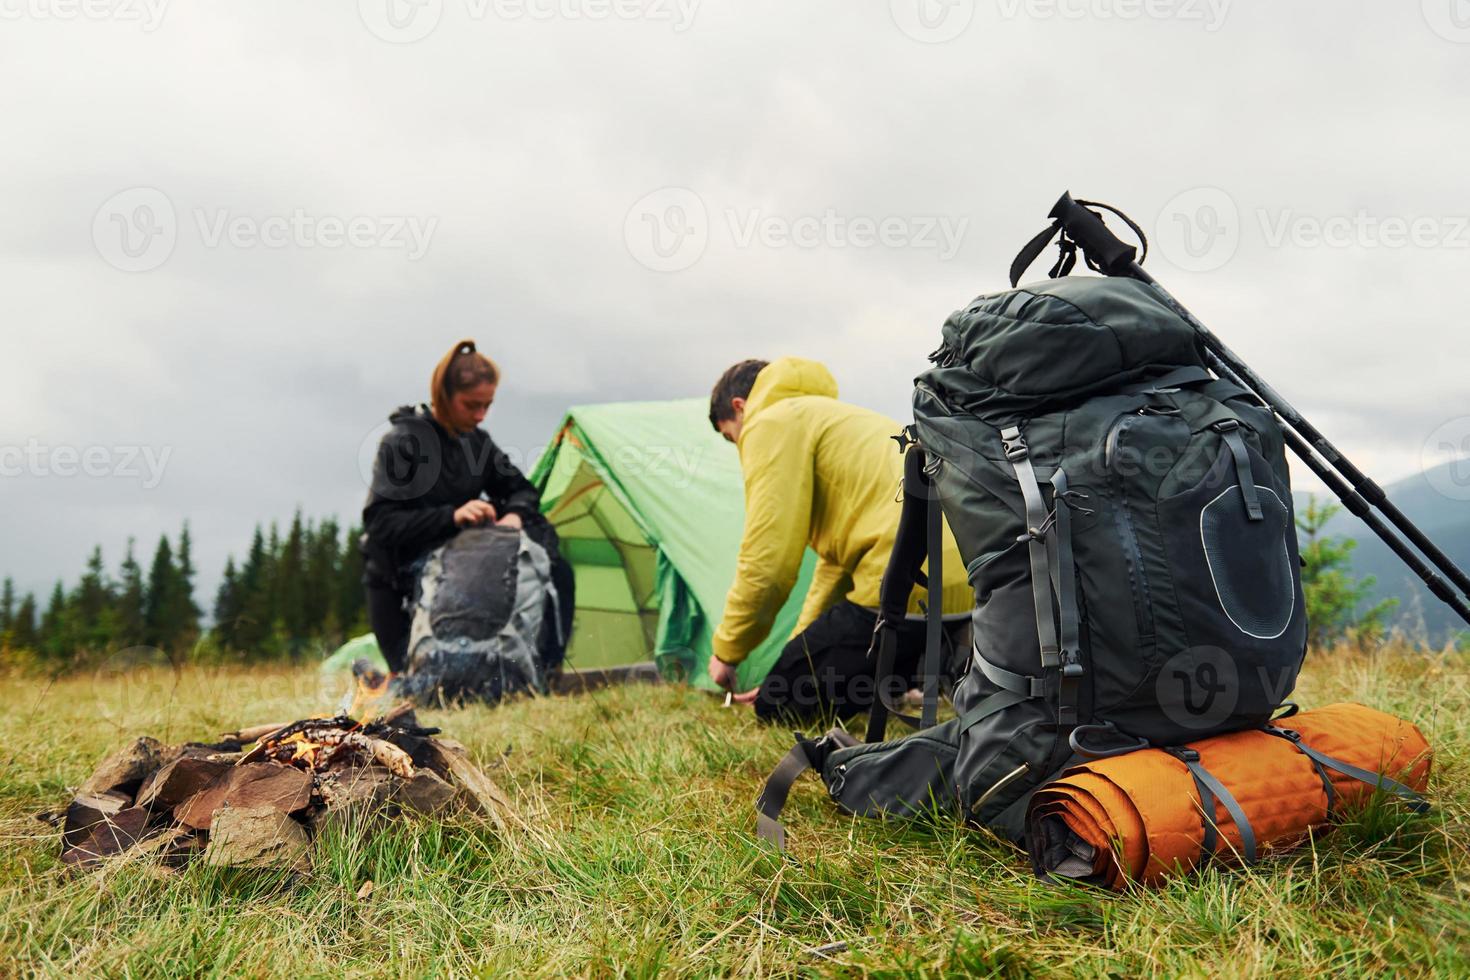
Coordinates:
column 616, row 570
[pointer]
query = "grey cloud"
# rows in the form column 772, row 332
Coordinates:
column 529, row 141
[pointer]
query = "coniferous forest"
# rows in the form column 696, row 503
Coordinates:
column 289, row 595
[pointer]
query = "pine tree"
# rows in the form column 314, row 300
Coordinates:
column 185, row 612
column 92, row 604
column 290, row 584
column 253, row 623
column 160, row 626
column 131, row 604
column 351, row 599
column 56, row 643
column 227, row 607
column 319, row 587
column 7, row 607
column 22, row 633
column 1332, row 593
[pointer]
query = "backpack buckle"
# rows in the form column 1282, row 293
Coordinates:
column 1014, row 444
column 1184, row 754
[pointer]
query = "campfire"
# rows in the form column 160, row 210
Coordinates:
column 259, row 796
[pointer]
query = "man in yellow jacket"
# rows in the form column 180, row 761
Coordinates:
column 823, row 473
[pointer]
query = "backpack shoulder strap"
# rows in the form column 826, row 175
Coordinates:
column 910, row 547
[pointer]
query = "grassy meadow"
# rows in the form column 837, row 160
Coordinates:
column 640, row 858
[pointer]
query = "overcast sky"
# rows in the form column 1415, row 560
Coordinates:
column 236, row 235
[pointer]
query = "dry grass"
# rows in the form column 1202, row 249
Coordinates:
column 641, row 859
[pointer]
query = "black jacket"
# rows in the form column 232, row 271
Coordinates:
column 421, row 475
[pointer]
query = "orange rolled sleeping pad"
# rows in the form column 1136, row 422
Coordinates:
column 1140, row 816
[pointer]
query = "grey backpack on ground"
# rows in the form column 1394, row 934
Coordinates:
column 479, row 614
column 1126, row 520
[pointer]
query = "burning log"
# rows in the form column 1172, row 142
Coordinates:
column 262, row 806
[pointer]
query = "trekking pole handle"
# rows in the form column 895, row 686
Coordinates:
column 1111, row 254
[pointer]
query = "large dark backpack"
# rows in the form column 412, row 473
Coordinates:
column 1126, row 520
column 485, row 622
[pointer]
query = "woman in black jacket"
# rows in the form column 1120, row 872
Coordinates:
column 437, row 471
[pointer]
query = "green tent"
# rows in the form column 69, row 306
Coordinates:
column 648, row 501
column 359, row 647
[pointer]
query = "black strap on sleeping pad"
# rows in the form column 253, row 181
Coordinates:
column 1059, row 553
column 772, row 801
column 1229, row 430
column 1211, row 789
column 1019, row 455
column 1417, row 803
column 934, row 625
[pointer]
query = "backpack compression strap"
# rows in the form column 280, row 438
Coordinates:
column 1037, row 522
column 806, row 754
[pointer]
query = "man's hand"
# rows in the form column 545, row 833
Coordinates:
column 722, row 673
column 511, row 521
column 475, row 512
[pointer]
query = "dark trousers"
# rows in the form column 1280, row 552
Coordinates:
column 390, row 620
column 825, row 671
column 391, row 617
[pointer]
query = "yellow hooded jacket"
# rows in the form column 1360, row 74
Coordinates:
column 824, row 473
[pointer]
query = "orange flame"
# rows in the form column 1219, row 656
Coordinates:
column 371, row 688
column 301, row 752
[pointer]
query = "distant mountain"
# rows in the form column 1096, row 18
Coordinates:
column 1445, row 519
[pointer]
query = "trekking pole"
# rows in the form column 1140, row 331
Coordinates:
column 1083, row 228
